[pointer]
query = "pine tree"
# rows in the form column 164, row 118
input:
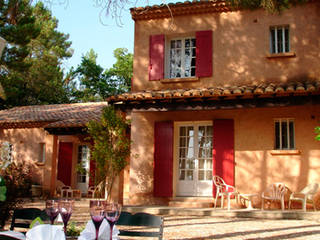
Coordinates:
column 31, row 63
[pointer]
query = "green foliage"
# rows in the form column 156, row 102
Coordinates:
column 95, row 84
column 317, row 130
column 3, row 189
column 121, row 72
column 111, row 146
column 31, row 70
column 18, row 180
column 73, row 230
column 272, row 6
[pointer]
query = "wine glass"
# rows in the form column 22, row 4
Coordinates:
column 52, row 210
column 97, row 213
column 65, row 210
column 112, row 213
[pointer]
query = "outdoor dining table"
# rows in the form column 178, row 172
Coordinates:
column 249, row 197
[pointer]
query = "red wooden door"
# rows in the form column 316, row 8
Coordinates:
column 65, row 162
column 223, row 150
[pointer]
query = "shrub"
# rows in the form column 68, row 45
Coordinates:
column 18, row 180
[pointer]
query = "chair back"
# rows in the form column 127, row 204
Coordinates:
column 311, row 189
column 149, row 221
column 218, row 182
column 276, row 190
column 22, row 217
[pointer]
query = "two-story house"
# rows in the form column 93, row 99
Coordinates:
column 221, row 91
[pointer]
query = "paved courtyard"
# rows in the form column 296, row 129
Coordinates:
column 200, row 227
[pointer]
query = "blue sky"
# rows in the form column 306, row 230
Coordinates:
column 81, row 20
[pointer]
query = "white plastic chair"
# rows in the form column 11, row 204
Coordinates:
column 275, row 192
column 91, row 192
column 66, row 191
column 305, row 195
column 222, row 190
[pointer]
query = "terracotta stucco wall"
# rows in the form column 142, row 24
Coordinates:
column 240, row 46
column 256, row 166
column 26, row 147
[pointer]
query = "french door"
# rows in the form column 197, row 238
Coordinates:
column 194, row 157
column 83, row 168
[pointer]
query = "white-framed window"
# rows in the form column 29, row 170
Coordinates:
column 279, row 39
column 182, row 58
column 284, row 134
column 6, row 151
column 42, row 153
column 6, row 154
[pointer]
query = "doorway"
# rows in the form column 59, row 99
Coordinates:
column 194, row 158
column 83, row 168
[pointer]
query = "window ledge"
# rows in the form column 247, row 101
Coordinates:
column 40, row 164
column 285, row 152
column 281, row 55
column 179, row 80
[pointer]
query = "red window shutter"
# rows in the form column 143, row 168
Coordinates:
column 156, row 64
column 204, row 53
column 163, row 159
column 223, row 150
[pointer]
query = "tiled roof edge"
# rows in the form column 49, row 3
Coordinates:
column 293, row 88
column 180, row 8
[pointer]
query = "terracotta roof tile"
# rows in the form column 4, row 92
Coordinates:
column 178, row 9
column 53, row 116
column 263, row 90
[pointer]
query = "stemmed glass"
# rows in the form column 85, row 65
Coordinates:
column 52, row 210
column 65, row 210
column 112, row 213
column 97, row 213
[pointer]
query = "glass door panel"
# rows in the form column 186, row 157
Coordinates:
column 195, row 160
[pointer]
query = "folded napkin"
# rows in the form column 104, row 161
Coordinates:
column 16, row 235
column 46, row 232
column 89, row 233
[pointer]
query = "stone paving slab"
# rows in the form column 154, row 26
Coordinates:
column 208, row 227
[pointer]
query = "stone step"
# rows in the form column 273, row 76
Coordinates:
column 193, row 202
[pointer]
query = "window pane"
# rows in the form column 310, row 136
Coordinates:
column 190, row 131
column 291, row 132
column 182, row 131
column 209, row 175
column 190, row 164
column 190, row 175
column 284, row 135
column 277, row 135
column 187, row 43
column 182, row 153
column 182, row 163
column 279, row 38
column 287, row 39
column 193, row 42
column 183, row 142
column 193, row 62
column 193, row 71
column 173, row 44
column 273, row 40
column 178, row 44
column 201, row 175
column 182, row 174
column 201, row 164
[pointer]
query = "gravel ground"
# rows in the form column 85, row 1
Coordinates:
column 195, row 227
